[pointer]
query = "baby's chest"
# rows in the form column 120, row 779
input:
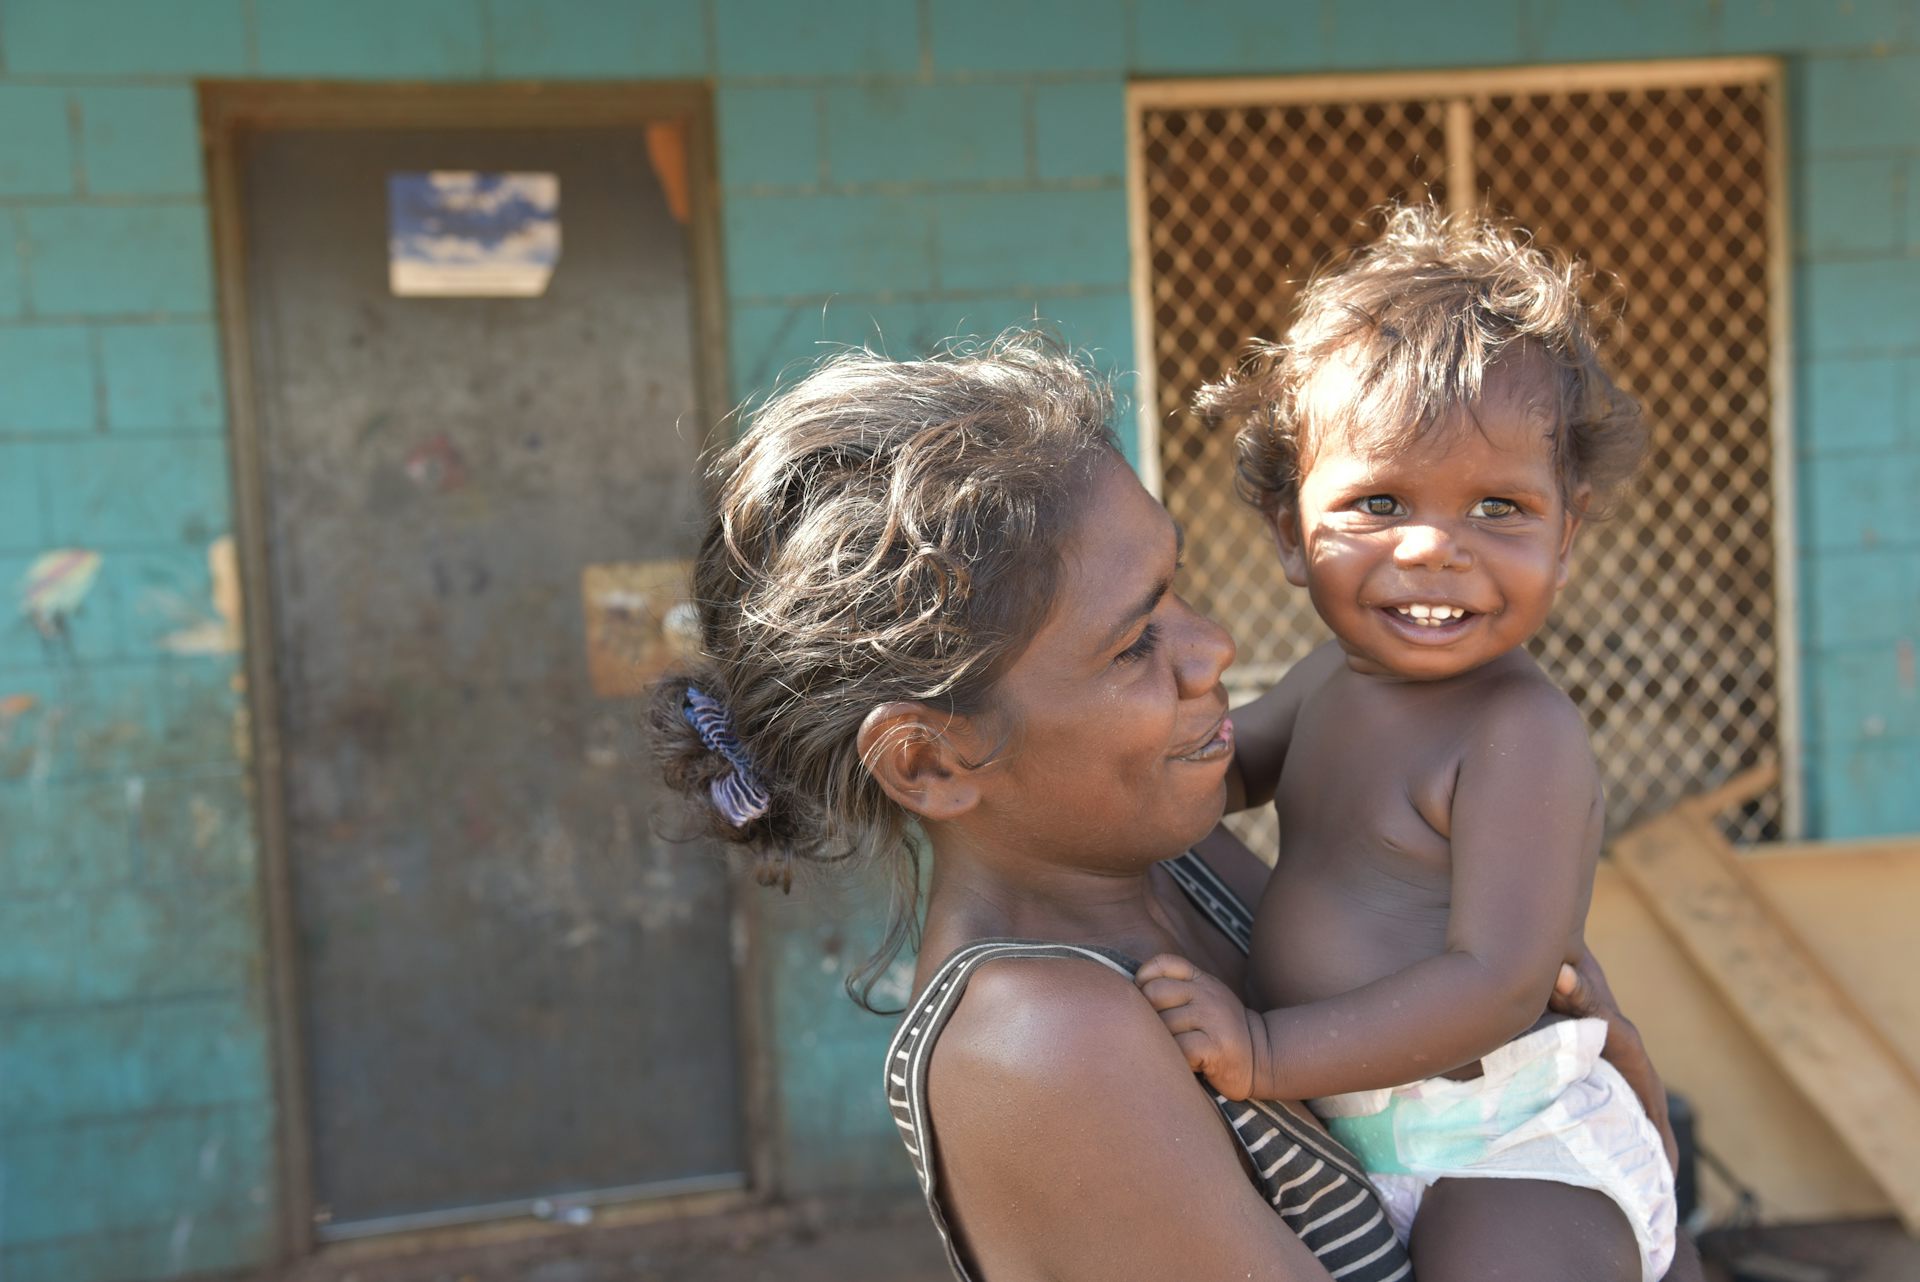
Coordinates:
column 1385, row 787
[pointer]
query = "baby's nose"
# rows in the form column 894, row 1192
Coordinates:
column 1429, row 545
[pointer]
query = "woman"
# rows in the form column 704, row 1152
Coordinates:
column 932, row 594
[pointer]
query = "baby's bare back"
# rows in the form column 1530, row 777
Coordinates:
column 1363, row 884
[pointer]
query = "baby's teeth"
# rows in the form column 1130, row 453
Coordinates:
column 1420, row 611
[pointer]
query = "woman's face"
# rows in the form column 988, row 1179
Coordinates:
column 1119, row 738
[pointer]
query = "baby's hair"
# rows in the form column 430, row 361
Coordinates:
column 1418, row 319
column 882, row 531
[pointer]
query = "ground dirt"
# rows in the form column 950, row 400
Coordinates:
column 1852, row 1251
column 892, row 1242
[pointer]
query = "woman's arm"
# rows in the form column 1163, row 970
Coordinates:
column 1582, row 991
column 1075, row 1144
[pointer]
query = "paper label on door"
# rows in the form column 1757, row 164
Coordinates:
column 639, row 624
column 466, row 234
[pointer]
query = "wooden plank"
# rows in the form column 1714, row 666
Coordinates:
column 1907, row 847
column 1820, row 1038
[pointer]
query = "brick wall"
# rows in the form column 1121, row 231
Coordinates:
column 1856, row 178
column 893, row 171
column 136, row 1109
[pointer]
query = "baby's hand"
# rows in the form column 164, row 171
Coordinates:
column 1208, row 1022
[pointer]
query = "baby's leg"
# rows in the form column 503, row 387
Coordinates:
column 1484, row 1230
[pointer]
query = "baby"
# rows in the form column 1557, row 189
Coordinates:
column 1424, row 445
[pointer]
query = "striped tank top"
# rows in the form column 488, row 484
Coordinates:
column 1315, row 1185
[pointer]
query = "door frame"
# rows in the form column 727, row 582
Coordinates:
column 231, row 112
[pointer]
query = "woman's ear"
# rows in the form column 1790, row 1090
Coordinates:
column 1284, row 521
column 911, row 751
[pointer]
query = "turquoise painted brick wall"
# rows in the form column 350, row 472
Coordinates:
column 1857, row 269
column 891, row 173
column 136, row 1106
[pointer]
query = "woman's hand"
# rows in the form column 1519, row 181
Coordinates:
column 1582, row 992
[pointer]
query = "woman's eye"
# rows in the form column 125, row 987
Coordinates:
column 1379, row 505
column 1496, row 508
column 1145, row 645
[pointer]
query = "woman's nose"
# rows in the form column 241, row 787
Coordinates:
column 1205, row 656
column 1428, row 545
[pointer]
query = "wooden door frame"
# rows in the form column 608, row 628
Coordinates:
column 231, row 112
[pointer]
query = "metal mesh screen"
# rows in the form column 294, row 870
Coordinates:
column 1241, row 203
column 1665, row 636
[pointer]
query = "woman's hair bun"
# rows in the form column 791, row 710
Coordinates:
column 881, row 531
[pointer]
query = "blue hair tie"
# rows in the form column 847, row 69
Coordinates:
column 738, row 795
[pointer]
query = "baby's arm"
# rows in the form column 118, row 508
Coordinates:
column 1524, row 801
column 1263, row 728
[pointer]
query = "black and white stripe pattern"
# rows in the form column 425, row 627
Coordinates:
column 911, row 1051
column 1313, row 1184
column 1319, row 1191
column 1214, row 897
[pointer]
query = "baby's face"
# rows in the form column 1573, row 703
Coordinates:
column 1439, row 558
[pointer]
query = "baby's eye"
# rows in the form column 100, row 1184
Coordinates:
column 1496, row 508
column 1380, row 505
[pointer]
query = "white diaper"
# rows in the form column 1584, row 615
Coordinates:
column 1548, row 1108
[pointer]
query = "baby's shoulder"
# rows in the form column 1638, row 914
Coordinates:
column 1518, row 696
column 1521, row 723
column 1311, row 676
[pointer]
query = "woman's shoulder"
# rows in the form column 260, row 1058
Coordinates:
column 1042, row 1029
column 1071, row 1135
column 1036, row 1046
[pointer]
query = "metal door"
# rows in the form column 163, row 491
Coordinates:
column 513, row 990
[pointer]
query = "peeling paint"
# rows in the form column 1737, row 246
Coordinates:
column 667, row 152
column 207, row 822
column 47, row 733
column 436, row 465
column 179, row 1240
column 54, row 587
column 218, row 632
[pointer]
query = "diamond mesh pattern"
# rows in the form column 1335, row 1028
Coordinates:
column 1665, row 636
column 1241, row 203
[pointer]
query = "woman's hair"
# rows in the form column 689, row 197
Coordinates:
column 1416, row 320
column 883, row 530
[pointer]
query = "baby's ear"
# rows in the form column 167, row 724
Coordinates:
column 1577, row 504
column 911, row 751
column 1284, row 521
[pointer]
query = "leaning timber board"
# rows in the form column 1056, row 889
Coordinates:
column 1691, row 880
